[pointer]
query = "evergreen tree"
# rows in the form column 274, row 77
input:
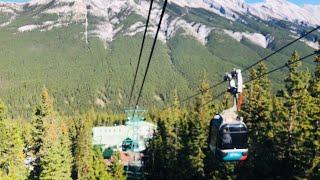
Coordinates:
column 101, row 171
column 117, row 168
column 196, row 141
column 183, row 153
column 300, row 121
column 168, row 146
column 56, row 158
column 11, row 148
column 88, row 161
column 279, row 117
column 74, row 125
column 166, row 142
column 65, row 149
column 11, row 151
column 84, row 152
column 154, row 153
column 204, row 106
column 42, row 112
column 314, row 170
column 50, row 143
column 257, row 112
column 196, row 129
column 203, row 110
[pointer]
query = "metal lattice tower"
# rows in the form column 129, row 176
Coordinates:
column 135, row 117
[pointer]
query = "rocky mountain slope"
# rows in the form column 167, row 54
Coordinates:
column 91, row 46
column 111, row 14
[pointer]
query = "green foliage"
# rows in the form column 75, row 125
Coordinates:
column 42, row 113
column 11, row 151
column 257, row 111
column 81, row 76
column 84, row 152
column 38, row 65
column 180, row 139
column 3, row 111
column 300, row 130
column 283, row 134
column 117, row 168
column 56, row 160
column 238, row 54
column 167, row 143
column 282, row 138
column 101, row 171
column 315, row 92
column 190, row 57
column 50, row 144
column 194, row 146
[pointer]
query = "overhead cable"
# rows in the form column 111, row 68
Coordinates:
column 151, row 53
column 141, row 51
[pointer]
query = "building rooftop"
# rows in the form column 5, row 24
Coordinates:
column 113, row 136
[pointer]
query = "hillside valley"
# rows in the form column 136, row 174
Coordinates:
column 85, row 52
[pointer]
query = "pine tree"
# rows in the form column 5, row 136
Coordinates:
column 169, row 123
column 88, row 162
column 65, row 150
column 167, row 147
column 56, row 158
column 196, row 131
column 117, row 168
column 257, row 112
column 280, row 120
column 182, row 137
column 83, row 152
column 101, row 171
column 204, row 109
column 314, row 170
column 258, row 105
column 50, row 143
column 300, row 121
column 195, row 143
column 11, row 151
column 166, row 142
column 42, row 112
column 154, row 153
column 204, row 105
column 183, row 153
column 11, row 148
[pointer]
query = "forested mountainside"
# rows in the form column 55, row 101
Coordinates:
column 67, row 68
column 85, row 52
column 283, row 136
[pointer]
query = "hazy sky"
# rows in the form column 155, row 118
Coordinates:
column 300, row 2
column 15, row 0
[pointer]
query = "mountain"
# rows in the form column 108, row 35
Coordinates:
column 313, row 9
column 284, row 10
column 85, row 51
column 112, row 13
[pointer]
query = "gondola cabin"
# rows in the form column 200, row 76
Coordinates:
column 228, row 134
column 229, row 141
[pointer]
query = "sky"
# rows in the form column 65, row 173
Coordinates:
column 15, row 0
column 299, row 2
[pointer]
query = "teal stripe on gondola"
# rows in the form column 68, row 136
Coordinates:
column 233, row 156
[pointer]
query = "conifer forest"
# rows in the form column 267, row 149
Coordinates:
column 283, row 136
column 159, row 90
